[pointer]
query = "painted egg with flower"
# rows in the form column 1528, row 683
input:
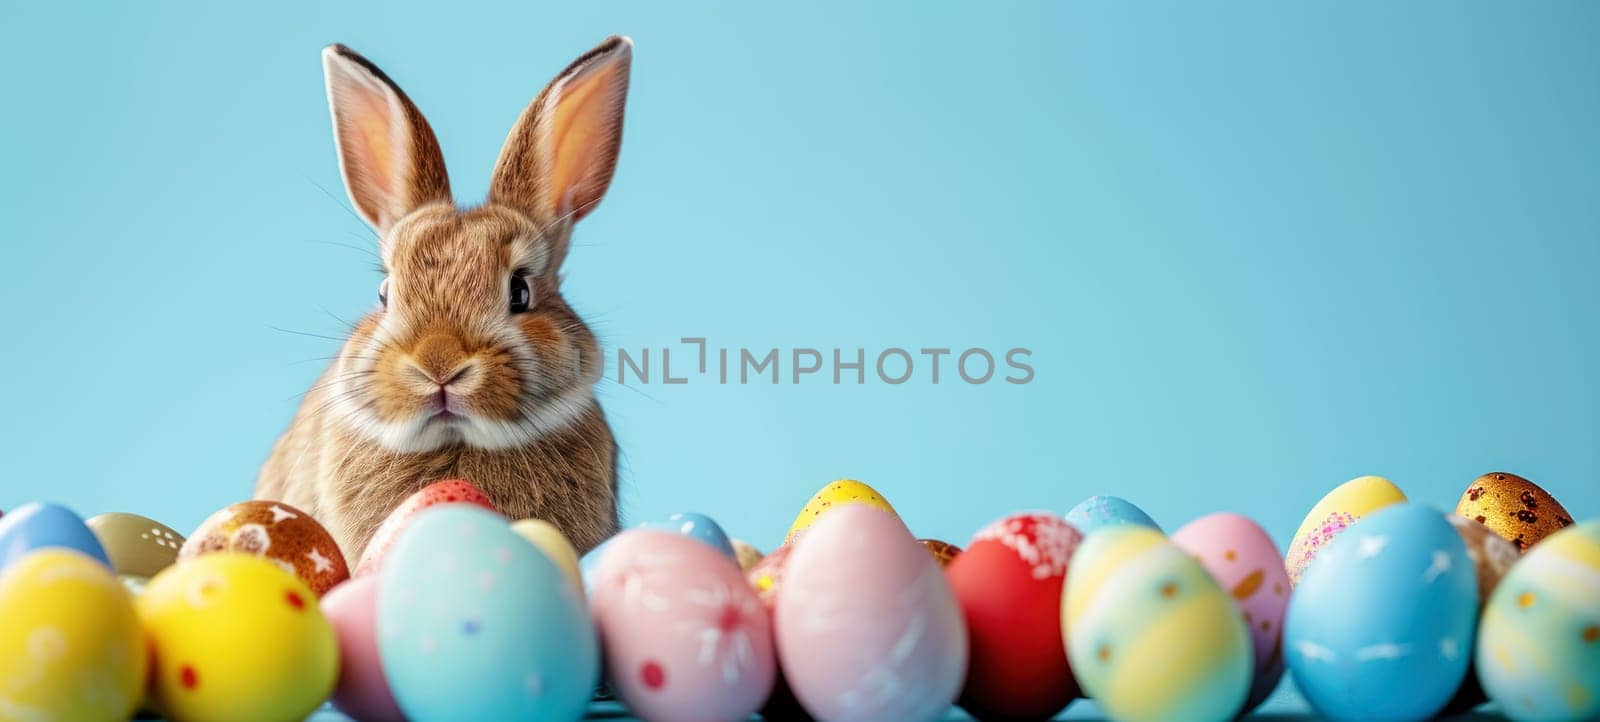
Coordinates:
column 46, row 525
column 1381, row 625
column 476, row 623
column 277, row 532
column 1337, row 511
column 1242, row 558
column 1519, row 510
column 71, row 647
column 235, row 637
column 867, row 626
column 1538, row 652
column 1150, row 634
column 1009, row 583
column 449, row 491
column 835, row 495
column 1096, row 512
column 685, row 638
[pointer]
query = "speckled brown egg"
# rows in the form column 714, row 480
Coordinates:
column 137, row 546
column 1513, row 507
column 943, row 552
column 746, row 553
column 277, row 532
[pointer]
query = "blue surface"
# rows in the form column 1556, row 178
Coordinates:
column 1256, row 248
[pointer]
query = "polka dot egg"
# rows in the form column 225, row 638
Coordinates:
column 1539, row 644
column 1151, row 636
column 475, row 622
column 236, row 637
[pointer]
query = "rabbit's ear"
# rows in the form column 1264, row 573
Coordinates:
column 387, row 153
column 559, row 158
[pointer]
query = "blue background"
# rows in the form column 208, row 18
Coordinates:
column 1257, row 249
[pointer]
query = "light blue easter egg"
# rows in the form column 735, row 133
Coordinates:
column 474, row 622
column 1096, row 512
column 39, row 525
column 1539, row 644
column 696, row 526
column 1381, row 624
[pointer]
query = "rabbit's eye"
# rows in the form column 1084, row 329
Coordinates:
column 383, row 292
column 521, row 294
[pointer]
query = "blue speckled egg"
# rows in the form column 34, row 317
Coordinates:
column 1150, row 634
column 41, row 525
column 1539, row 643
column 696, row 526
column 1381, row 624
column 1103, row 511
column 474, row 622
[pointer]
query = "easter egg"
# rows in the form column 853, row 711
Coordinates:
column 685, row 638
column 1008, row 583
column 1151, row 636
column 696, row 526
column 277, row 532
column 235, row 637
column 549, row 539
column 134, row 584
column 476, row 623
column 1381, row 625
column 867, row 627
column 1491, row 557
column 1334, row 513
column 1538, row 651
column 70, row 644
column 747, row 555
column 766, row 577
column 45, row 525
column 1514, row 508
column 363, row 691
column 1241, row 557
column 942, row 552
column 1097, row 512
column 834, row 495
column 136, row 545
column 449, row 491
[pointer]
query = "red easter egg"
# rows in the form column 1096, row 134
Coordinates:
column 449, row 491
column 1009, row 582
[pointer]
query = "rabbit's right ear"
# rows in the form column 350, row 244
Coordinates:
column 387, row 153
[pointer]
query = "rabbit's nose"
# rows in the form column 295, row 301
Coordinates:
column 440, row 359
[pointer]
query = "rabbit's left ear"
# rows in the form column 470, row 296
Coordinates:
column 558, row 160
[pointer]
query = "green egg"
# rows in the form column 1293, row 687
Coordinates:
column 137, row 546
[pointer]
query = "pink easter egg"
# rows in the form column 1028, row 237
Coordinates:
column 867, row 628
column 1245, row 562
column 685, row 637
column 363, row 691
column 449, row 491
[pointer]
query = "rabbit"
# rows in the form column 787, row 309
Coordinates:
column 472, row 366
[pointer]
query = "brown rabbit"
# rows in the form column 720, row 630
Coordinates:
column 473, row 367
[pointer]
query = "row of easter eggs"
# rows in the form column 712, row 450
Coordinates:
column 849, row 619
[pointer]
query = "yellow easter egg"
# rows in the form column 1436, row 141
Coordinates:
column 236, row 638
column 838, row 493
column 1149, row 633
column 549, row 540
column 70, row 644
column 1336, row 511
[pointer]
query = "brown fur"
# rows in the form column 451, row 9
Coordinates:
column 445, row 381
